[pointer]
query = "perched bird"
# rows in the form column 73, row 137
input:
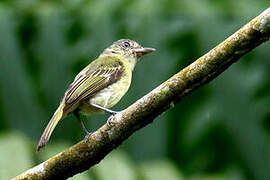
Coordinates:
column 99, row 86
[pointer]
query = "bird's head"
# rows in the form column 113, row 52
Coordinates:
column 127, row 49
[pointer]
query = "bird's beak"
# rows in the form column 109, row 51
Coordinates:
column 143, row 50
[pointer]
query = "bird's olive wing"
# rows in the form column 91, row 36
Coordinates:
column 91, row 80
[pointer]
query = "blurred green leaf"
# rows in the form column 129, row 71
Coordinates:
column 229, row 174
column 116, row 165
column 160, row 170
column 15, row 154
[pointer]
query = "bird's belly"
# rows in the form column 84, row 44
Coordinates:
column 106, row 97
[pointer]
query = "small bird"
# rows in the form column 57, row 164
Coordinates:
column 99, row 86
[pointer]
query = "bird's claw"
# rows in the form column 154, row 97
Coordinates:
column 87, row 136
column 110, row 118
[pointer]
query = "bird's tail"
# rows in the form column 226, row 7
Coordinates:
column 50, row 127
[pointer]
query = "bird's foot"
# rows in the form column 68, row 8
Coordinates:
column 111, row 116
column 87, row 136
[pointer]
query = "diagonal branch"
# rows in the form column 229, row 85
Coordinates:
column 82, row 156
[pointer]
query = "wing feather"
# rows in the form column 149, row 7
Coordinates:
column 91, row 80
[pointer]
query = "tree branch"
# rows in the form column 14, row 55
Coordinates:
column 82, row 156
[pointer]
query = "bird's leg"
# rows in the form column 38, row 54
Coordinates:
column 87, row 133
column 112, row 113
column 104, row 109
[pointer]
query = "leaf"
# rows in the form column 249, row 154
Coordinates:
column 160, row 170
column 116, row 165
column 15, row 155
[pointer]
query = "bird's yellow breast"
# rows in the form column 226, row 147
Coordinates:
column 110, row 95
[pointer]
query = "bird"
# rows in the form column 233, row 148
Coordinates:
column 99, row 86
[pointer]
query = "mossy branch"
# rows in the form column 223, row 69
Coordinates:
column 82, row 156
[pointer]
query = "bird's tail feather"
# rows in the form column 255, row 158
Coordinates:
column 50, row 127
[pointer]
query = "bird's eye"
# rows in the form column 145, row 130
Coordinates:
column 126, row 44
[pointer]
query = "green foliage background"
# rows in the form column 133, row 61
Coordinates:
column 221, row 131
